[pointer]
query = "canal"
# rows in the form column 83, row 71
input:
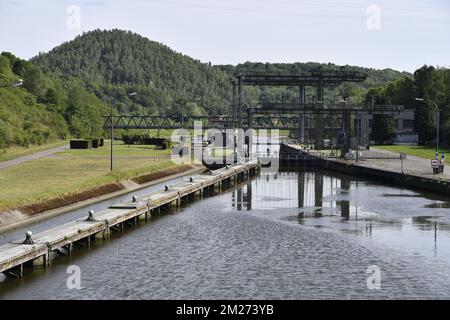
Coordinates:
column 290, row 235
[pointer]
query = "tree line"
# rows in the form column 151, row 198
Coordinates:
column 67, row 90
column 432, row 84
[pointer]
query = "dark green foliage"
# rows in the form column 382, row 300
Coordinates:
column 383, row 129
column 134, row 138
column 46, row 106
column 139, row 138
column 432, row 85
column 118, row 62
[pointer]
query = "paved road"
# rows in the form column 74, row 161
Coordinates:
column 390, row 161
column 411, row 165
column 33, row 156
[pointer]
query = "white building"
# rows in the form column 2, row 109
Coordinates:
column 404, row 123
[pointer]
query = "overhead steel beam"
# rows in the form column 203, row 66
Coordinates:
column 325, row 79
column 257, row 118
column 314, row 109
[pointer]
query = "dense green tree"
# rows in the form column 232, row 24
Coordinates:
column 424, row 117
column 429, row 83
column 383, row 128
column 84, row 120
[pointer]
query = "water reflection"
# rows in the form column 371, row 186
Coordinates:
column 345, row 204
column 242, row 197
column 249, row 241
column 306, row 190
column 396, row 217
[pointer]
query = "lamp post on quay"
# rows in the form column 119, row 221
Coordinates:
column 112, row 130
column 436, row 109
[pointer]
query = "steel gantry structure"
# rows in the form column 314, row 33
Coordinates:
column 256, row 118
column 318, row 79
column 312, row 118
column 265, row 117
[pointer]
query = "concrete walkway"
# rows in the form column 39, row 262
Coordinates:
column 33, row 156
column 411, row 165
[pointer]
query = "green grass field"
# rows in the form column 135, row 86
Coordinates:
column 74, row 171
column 15, row 151
column 426, row 152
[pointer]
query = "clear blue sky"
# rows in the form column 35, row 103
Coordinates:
column 411, row 33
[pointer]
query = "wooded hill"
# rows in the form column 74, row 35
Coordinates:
column 67, row 90
column 118, row 62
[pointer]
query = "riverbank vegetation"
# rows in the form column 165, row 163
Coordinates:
column 46, row 107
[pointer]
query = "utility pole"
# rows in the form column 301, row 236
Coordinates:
column 112, row 131
column 358, row 124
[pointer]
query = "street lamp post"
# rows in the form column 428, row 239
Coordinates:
column 112, row 130
column 436, row 108
column 358, row 128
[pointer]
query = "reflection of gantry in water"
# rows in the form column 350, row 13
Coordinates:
column 313, row 192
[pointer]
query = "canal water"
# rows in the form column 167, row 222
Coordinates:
column 290, row 235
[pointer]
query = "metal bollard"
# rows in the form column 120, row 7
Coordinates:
column 28, row 239
column 90, row 216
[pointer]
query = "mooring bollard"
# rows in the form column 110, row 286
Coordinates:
column 28, row 239
column 90, row 216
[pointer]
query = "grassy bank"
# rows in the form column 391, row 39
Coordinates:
column 75, row 171
column 16, row 151
column 426, row 152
